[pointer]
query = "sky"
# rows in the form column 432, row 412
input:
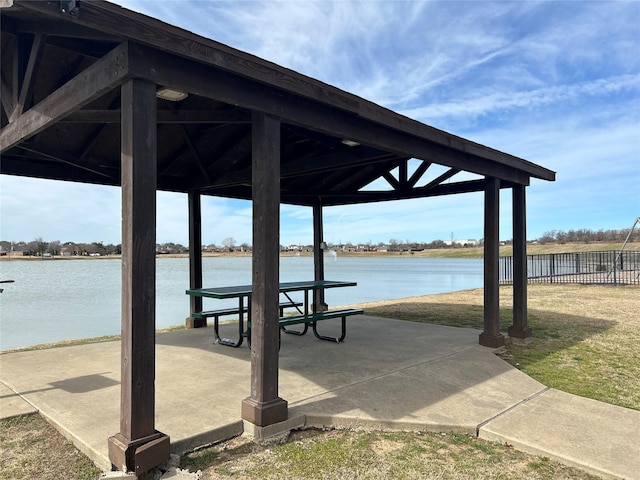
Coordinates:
column 556, row 83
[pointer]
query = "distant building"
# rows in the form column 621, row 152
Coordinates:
column 70, row 249
column 462, row 243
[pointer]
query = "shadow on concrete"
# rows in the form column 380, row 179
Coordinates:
column 82, row 384
column 557, row 331
column 386, row 370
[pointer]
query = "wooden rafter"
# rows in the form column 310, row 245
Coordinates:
column 417, row 175
column 403, row 184
column 93, row 137
column 6, row 96
column 365, row 196
column 63, row 158
column 26, row 82
column 441, row 178
column 194, row 152
column 102, row 76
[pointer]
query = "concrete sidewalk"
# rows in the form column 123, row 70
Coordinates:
column 388, row 374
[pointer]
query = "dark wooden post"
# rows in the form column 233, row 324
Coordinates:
column 264, row 407
column 520, row 329
column 491, row 336
column 195, row 258
column 138, row 447
column 319, row 305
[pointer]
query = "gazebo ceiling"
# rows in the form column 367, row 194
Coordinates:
column 60, row 115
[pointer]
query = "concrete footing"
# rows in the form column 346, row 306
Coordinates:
column 273, row 434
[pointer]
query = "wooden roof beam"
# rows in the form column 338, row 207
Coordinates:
column 328, row 199
column 164, row 116
column 294, row 169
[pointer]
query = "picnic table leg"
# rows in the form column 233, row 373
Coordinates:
column 331, row 339
column 227, row 341
column 215, row 329
column 295, row 332
column 306, row 306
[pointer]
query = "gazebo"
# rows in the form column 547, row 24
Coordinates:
column 95, row 93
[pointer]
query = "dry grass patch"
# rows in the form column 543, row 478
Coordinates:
column 30, row 448
column 348, row 454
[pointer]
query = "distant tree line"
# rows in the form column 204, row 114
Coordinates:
column 41, row 248
column 396, row 245
column 585, row 235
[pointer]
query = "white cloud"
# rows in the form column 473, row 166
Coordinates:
column 497, row 102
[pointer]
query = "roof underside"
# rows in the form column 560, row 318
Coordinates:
column 61, row 76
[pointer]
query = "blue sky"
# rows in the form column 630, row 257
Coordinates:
column 557, row 83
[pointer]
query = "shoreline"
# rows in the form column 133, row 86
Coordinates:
column 462, row 252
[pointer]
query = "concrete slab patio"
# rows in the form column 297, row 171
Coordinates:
column 388, row 374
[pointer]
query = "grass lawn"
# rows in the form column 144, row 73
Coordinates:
column 585, row 342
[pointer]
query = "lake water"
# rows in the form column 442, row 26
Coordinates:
column 54, row 300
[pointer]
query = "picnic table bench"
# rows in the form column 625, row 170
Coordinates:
column 312, row 319
column 225, row 312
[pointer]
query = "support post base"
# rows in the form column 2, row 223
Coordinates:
column 139, row 455
column 520, row 332
column 191, row 322
column 264, row 413
column 319, row 307
column 493, row 341
column 273, row 434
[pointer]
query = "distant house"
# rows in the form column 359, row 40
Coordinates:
column 70, row 249
column 10, row 249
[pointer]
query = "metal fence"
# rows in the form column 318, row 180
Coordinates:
column 611, row 267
